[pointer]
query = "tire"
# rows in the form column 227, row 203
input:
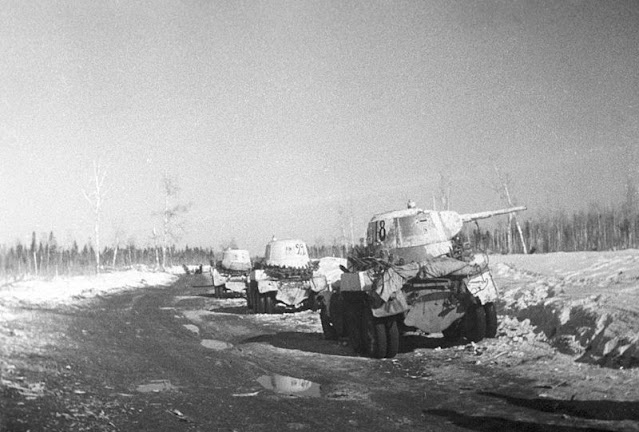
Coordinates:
column 218, row 291
column 249, row 296
column 353, row 322
column 260, row 303
column 254, row 296
column 327, row 327
column 312, row 302
column 374, row 341
column 337, row 318
column 392, row 337
column 491, row 320
column 269, row 303
column 454, row 331
column 475, row 323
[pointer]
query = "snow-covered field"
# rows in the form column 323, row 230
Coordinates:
column 585, row 303
column 66, row 290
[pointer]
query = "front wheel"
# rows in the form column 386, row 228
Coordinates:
column 475, row 323
column 491, row 320
column 454, row 332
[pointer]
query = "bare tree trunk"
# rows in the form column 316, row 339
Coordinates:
column 170, row 216
column 115, row 256
column 505, row 192
column 509, row 235
column 95, row 198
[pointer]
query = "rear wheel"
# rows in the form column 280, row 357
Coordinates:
column 491, row 320
column 218, row 291
column 337, row 317
column 269, row 303
column 392, row 337
column 373, row 335
column 255, row 299
column 475, row 323
column 249, row 296
column 327, row 327
column 353, row 307
column 260, row 302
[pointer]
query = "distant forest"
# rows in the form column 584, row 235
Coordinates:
column 596, row 229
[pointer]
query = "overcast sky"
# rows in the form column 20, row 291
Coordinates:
column 286, row 117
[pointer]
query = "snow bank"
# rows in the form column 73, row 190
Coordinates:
column 584, row 302
column 64, row 290
column 330, row 267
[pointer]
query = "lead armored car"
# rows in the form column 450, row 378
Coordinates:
column 412, row 274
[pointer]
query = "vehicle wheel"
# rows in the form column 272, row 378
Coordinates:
column 249, row 296
column 313, row 303
column 475, row 323
column 260, row 303
column 218, row 291
column 337, row 319
column 353, row 320
column 373, row 335
column 329, row 331
column 491, row 320
column 392, row 337
column 454, row 331
column 269, row 303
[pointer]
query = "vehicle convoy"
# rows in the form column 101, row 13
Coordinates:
column 412, row 274
column 232, row 272
column 288, row 279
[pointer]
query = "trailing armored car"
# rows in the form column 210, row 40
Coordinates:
column 287, row 280
column 232, row 272
column 412, row 274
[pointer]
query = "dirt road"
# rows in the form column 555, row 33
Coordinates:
column 178, row 359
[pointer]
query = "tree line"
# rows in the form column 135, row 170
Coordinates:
column 44, row 257
column 595, row 229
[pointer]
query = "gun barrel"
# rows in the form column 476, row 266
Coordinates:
column 484, row 215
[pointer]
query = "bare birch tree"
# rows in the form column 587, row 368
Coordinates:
column 171, row 223
column 503, row 187
column 95, row 197
column 445, row 186
column 118, row 240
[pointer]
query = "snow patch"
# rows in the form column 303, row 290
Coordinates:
column 66, row 290
column 584, row 302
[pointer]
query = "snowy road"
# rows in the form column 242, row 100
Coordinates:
column 175, row 358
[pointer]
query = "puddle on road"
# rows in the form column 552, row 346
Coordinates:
column 215, row 344
column 193, row 328
column 289, row 385
column 156, row 386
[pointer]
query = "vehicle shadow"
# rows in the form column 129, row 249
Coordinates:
column 490, row 424
column 588, row 409
column 308, row 342
column 316, row 343
column 409, row 343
